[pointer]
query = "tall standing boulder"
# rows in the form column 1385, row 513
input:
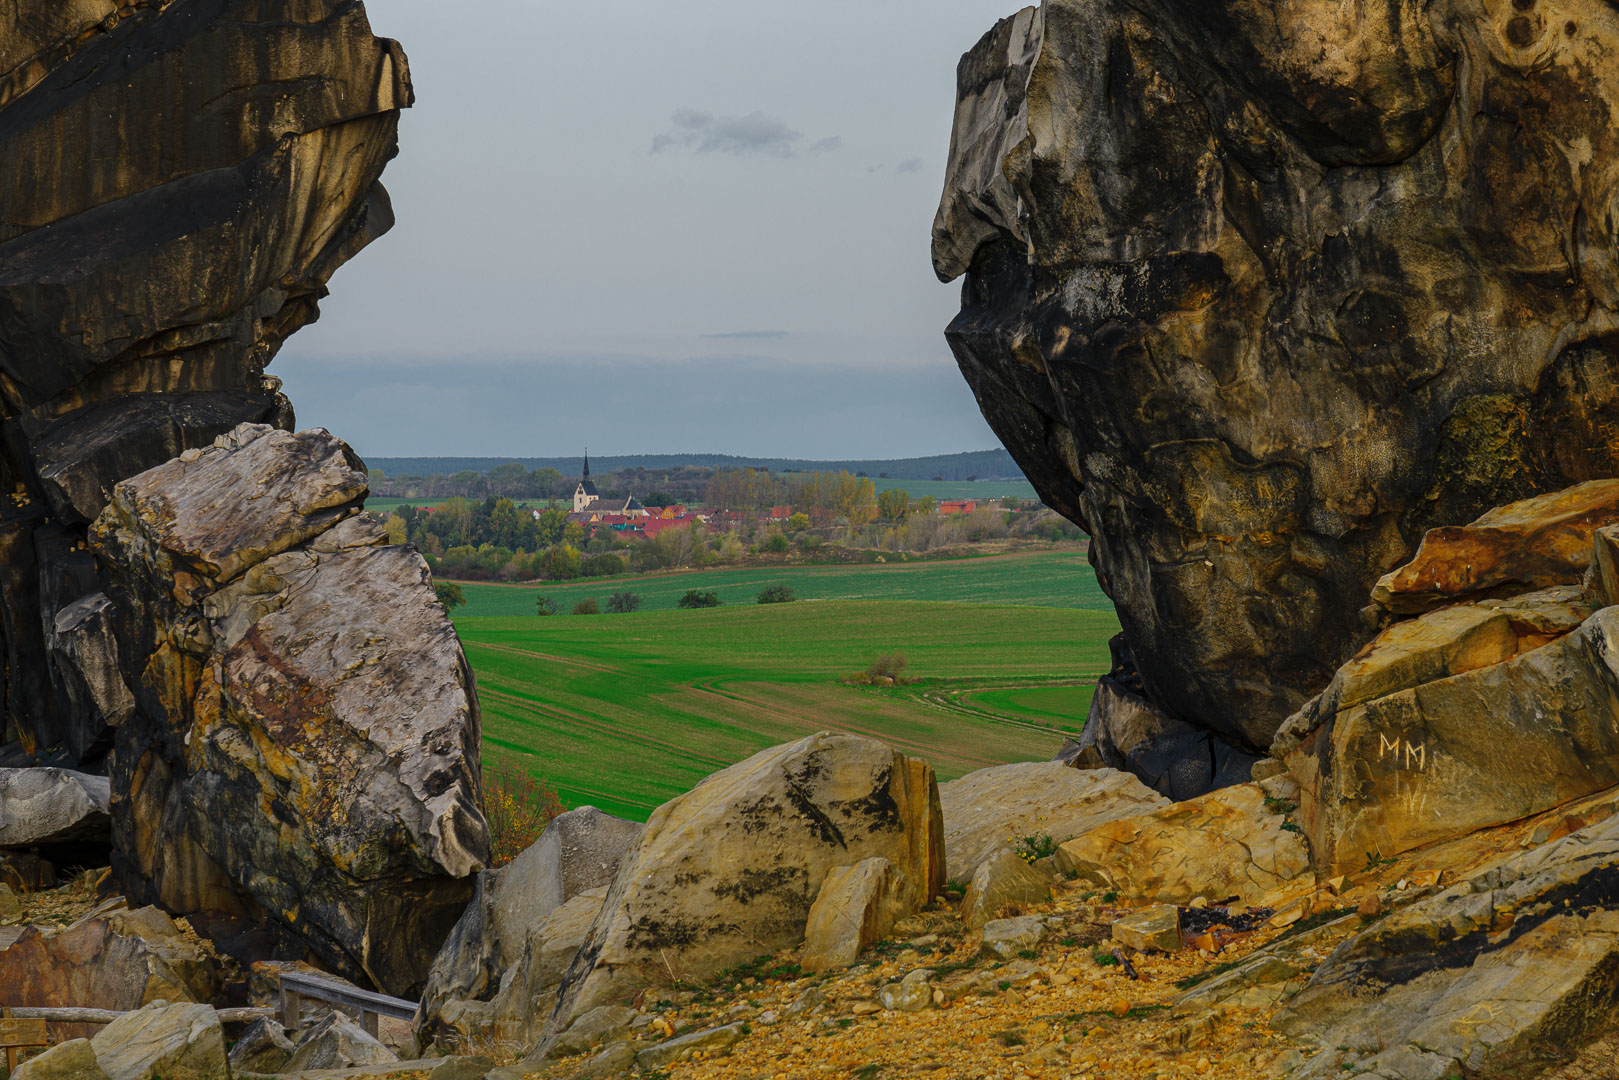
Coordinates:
column 505, row 937
column 179, row 183
column 1475, row 713
column 304, row 748
column 1257, row 294
column 730, row 869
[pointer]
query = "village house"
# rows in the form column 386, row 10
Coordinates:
column 958, row 506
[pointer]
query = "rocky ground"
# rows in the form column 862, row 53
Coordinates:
column 1060, row 1005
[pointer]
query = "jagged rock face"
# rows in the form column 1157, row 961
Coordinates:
column 1477, row 712
column 303, row 748
column 1522, row 956
column 1258, row 293
column 180, row 181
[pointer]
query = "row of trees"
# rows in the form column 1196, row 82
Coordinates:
column 513, row 480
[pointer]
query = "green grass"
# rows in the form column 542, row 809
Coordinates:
column 1039, row 579
column 1050, row 703
column 626, row 711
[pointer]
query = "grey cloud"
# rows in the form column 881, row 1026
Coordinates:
column 826, row 145
column 743, row 136
column 909, row 165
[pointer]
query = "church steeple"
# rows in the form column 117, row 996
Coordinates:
column 587, row 463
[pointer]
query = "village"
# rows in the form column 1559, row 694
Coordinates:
column 628, row 518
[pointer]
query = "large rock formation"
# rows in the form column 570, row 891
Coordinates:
column 304, row 748
column 281, row 706
column 1257, row 293
column 730, row 869
column 180, row 182
column 1474, row 713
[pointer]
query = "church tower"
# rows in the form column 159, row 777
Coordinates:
column 585, row 494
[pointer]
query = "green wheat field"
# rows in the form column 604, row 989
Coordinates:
column 626, row 711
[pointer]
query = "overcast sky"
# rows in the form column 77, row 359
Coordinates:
column 656, row 227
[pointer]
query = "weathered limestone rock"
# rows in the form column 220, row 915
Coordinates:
column 1521, row 955
column 117, row 960
column 913, row 993
column 578, row 853
column 1257, row 294
column 711, row 1041
column 603, row 1024
column 163, row 1042
column 985, row 809
column 304, row 748
column 1446, row 757
column 1153, row 929
column 528, row 991
column 1530, row 544
column 1003, row 880
column 181, row 181
column 857, row 906
column 730, row 869
column 262, row 1048
column 1452, row 640
column 1126, row 731
column 337, row 1042
column 1005, row 938
column 1231, row 842
column 71, row 1060
column 42, row 807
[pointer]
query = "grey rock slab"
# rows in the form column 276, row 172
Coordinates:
column 262, row 1047
column 71, row 1060
column 44, row 806
column 509, row 915
column 171, row 1042
column 337, row 1042
column 1004, row 879
column 684, row 1046
column 856, row 907
column 1152, row 929
column 616, row 1059
column 913, row 993
column 1005, row 938
column 603, row 1024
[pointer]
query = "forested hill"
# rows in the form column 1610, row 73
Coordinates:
column 975, row 465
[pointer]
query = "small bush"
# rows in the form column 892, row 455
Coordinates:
column 621, row 603
column 776, row 594
column 449, row 594
column 888, row 666
column 776, row 542
column 587, row 607
column 518, row 807
column 698, row 598
column 544, row 605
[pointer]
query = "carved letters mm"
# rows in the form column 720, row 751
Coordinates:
column 1404, row 752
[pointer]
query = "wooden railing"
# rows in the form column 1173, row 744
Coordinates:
column 296, row 985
